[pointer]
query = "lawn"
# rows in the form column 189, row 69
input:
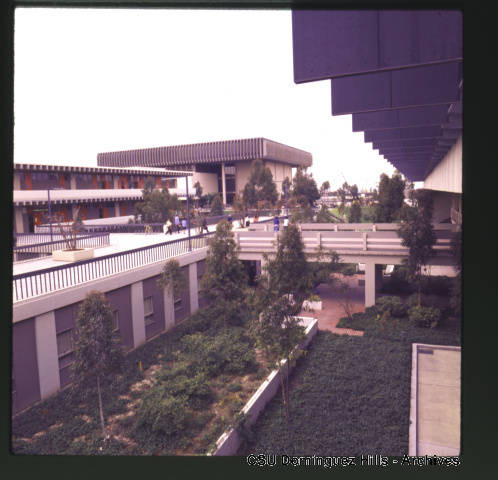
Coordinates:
column 175, row 396
column 350, row 395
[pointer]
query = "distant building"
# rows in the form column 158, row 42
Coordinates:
column 99, row 192
column 220, row 167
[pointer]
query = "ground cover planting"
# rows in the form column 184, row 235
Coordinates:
column 351, row 395
column 175, row 396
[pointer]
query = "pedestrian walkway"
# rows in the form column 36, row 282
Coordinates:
column 332, row 305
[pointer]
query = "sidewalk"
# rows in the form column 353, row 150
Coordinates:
column 332, row 310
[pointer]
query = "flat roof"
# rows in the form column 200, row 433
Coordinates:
column 155, row 172
column 435, row 400
column 212, row 152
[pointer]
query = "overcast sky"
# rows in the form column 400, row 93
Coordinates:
column 95, row 80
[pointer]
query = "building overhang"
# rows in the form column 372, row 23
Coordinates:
column 398, row 73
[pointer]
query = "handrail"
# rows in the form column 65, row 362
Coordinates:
column 40, row 282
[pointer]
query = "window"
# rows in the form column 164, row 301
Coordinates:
column 115, row 320
column 148, row 311
column 64, row 343
column 177, row 303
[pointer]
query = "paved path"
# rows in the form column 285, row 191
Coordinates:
column 332, row 310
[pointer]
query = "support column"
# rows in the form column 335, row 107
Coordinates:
column 223, row 183
column 17, row 181
column 18, row 219
column 74, row 207
column 137, row 314
column 194, row 289
column 169, row 309
column 115, row 180
column 116, row 209
column 46, row 354
column 370, row 284
column 72, row 181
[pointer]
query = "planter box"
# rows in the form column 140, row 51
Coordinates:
column 72, row 255
column 311, row 306
column 229, row 442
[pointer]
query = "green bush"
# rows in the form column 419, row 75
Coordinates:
column 427, row 317
column 234, row 387
column 437, row 285
column 392, row 305
column 225, row 353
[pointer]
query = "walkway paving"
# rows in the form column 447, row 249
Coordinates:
column 333, row 305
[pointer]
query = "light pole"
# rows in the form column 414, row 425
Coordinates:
column 50, row 215
column 188, row 216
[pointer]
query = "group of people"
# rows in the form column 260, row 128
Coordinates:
column 181, row 225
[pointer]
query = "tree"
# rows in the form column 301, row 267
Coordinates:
column 355, row 212
column 157, row 205
column 277, row 332
column 172, row 278
column 225, row 280
column 96, row 348
column 304, row 188
column 353, row 191
column 289, row 272
column 390, row 198
column 260, row 187
column 70, row 231
column 216, row 206
column 325, row 187
column 417, row 234
column 324, row 216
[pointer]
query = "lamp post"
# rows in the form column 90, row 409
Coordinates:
column 188, row 216
column 50, row 215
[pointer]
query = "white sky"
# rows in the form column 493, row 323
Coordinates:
column 94, row 80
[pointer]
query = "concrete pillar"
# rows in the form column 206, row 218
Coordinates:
column 116, row 209
column 74, row 207
column 46, row 354
column 72, row 181
column 369, row 284
column 19, row 225
column 17, row 181
column 223, row 183
column 194, row 288
column 115, row 180
column 169, row 309
column 137, row 314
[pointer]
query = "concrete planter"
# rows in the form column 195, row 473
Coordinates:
column 312, row 306
column 229, row 442
column 72, row 255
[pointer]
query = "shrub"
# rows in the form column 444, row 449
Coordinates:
column 392, row 305
column 234, row 387
column 225, row 353
column 437, row 285
column 427, row 317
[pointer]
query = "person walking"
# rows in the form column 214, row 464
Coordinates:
column 177, row 223
column 184, row 224
column 169, row 227
column 204, row 226
column 276, row 224
column 286, row 222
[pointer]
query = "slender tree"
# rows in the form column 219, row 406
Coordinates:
column 417, row 234
column 260, row 187
column 304, row 189
column 216, row 206
column 172, row 277
column 325, row 187
column 97, row 352
column 355, row 212
column 390, row 198
column 225, row 280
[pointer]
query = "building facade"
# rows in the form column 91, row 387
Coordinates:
column 98, row 192
column 220, row 167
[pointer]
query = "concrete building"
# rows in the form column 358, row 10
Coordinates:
column 99, row 192
column 220, row 167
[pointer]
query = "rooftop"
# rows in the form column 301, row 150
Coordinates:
column 212, row 152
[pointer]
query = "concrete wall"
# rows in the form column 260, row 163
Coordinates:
column 208, row 181
column 24, row 365
column 242, row 173
column 447, row 176
column 37, row 368
column 443, row 203
column 278, row 170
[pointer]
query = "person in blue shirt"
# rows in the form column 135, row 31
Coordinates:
column 276, row 224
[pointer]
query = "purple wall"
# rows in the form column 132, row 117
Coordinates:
column 201, row 268
column 120, row 299
column 182, row 310
column 64, row 320
column 150, row 289
column 24, row 365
